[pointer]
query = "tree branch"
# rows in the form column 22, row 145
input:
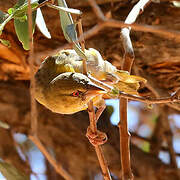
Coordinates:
column 127, row 65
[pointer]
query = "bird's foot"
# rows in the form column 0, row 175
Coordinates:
column 96, row 138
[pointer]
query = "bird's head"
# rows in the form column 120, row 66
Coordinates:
column 70, row 92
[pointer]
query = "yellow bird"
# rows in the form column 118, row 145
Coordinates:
column 62, row 88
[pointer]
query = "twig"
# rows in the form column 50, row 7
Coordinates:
column 168, row 136
column 97, row 10
column 98, row 149
column 175, row 97
column 127, row 64
column 152, row 86
column 31, row 62
column 131, row 19
column 59, row 169
column 172, row 99
column 82, row 42
column 92, row 116
column 168, row 34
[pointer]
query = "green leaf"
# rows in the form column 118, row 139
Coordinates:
column 23, row 18
column 11, row 173
column 19, row 3
column 21, row 22
column 22, row 10
column 21, row 28
column 70, row 34
column 10, row 10
column 5, row 42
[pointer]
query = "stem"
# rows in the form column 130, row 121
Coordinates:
column 82, row 44
column 92, row 115
column 31, row 61
column 58, row 168
column 173, row 98
column 5, row 22
column 127, row 65
column 98, row 149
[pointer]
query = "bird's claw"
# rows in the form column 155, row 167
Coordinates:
column 96, row 138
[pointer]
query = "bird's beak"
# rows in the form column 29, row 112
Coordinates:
column 94, row 90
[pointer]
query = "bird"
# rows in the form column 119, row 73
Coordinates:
column 62, row 87
column 67, row 93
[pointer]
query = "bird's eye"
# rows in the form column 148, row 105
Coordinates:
column 76, row 93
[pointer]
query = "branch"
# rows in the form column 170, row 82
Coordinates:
column 168, row 34
column 59, row 169
column 99, row 138
column 31, row 62
column 116, row 95
column 127, row 64
column 93, row 121
column 172, row 99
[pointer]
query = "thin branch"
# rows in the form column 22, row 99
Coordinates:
column 127, row 65
column 82, row 42
column 59, row 169
column 175, row 97
column 98, row 149
column 168, row 136
column 97, row 10
column 31, row 62
column 168, row 34
column 172, row 99
column 93, row 118
column 138, row 8
column 152, row 86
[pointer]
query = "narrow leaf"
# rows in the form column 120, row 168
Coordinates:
column 22, row 32
column 70, row 29
column 41, row 24
column 70, row 10
column 22, row 10
column 66, row 20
